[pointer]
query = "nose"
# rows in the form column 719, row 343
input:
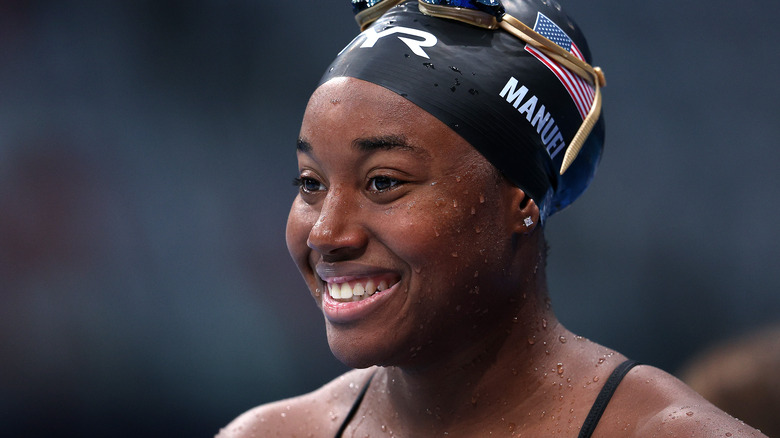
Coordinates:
column 338, row 232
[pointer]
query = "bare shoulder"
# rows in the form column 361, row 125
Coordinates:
column 653, row 403
column 317, row 414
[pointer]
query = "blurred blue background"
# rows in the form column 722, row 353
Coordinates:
column 146, row 154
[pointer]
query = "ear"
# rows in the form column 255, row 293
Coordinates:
column 525, row 212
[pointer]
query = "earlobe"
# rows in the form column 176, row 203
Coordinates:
column 525, row 213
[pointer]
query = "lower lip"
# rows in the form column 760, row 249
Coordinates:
column 351, row 311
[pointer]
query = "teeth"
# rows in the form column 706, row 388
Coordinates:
column 334, row 290
column 345, row 291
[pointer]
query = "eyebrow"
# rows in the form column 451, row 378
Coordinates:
column 371, row 144
column 303, row 146
column 384, row 143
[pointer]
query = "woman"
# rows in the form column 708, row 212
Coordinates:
column 430, row 158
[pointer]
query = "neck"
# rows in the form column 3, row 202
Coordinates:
column 477, row 379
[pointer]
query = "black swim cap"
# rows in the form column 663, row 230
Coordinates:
column 513, row 104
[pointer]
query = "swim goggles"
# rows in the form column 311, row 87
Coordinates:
column 490, row 14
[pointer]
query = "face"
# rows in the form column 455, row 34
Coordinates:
column 401, row 229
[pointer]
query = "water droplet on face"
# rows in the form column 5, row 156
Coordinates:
column 544, row 323
column 560, row 368
column 454, row 203
column 689, row 413
column 383, row 427
column 728, row 433
column 601, row 360
column 531, row 340
column 595, row 378
column 481, row 198
column 436, row 231
column 429, row 65
column 515, row 320
column 317, row 292
column 454, row 254
column 473, row 211
column 458, row 178
column 562, row 339
column 478, row 230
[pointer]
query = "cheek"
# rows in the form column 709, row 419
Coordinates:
column 448, row 232
column 299, row 224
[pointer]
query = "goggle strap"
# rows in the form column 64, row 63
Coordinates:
column 365, row 17
column 469, row 16
column 559, row 54
column 582, row 134
column 593, row 75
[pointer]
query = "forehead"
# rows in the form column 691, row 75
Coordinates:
column 347, row 111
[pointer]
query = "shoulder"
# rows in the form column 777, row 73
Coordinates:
column 653, row 403
column 318, row 413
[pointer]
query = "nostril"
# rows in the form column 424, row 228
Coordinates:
column 337, row 234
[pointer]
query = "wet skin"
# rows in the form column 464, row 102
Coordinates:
column 402, row 196
column 465, row 338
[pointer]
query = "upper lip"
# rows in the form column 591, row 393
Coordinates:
column 345, row 271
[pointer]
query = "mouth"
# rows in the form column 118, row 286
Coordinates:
column 344, row 291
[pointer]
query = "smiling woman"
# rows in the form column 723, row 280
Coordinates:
column 419, row 229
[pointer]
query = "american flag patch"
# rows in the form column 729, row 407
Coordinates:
column 579, row 90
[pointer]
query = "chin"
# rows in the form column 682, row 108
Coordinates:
column 356, row 351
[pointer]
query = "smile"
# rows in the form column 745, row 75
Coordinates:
column 358, row 290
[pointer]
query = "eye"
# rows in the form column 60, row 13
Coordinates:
column 382, row 183
column 308, row 185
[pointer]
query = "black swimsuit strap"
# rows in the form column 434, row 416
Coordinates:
column 587, row 427
column 355, row 406
column 604, row 396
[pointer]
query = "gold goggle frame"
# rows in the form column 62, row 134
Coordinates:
column 593, row 75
